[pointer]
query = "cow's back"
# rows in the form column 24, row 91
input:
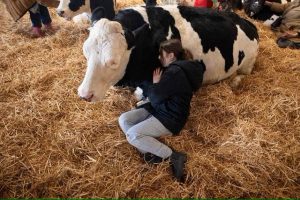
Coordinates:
column 224, row 41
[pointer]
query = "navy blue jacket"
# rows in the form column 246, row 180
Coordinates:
column 170, row 98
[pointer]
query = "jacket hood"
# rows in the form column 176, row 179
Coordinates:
column 193, row 70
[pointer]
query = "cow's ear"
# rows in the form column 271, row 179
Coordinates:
column 97, row 14
column 132, row 37
column 140, row 31
column 129, row 39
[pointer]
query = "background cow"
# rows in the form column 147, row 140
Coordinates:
column 125, row 50
column 257, row 10
column 70, row 8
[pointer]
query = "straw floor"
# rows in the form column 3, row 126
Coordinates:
column 241, row 142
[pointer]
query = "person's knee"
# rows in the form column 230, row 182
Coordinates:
column 132, row 136
column 122, row 120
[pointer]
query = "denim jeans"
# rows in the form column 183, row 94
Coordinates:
column 142, row 129
column 39, row 16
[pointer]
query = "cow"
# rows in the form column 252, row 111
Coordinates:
column 71, row 8
column 124, row 51
column 257, row 10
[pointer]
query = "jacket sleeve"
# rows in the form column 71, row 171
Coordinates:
column 161, row 91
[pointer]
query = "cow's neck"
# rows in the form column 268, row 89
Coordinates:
column 93, row 4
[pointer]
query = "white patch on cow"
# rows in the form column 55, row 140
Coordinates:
column 169, row 34
column 142, row 11
column 63, row 4
column 84, row 18
column 107, row 57
column 215, row 66
column 69, row 14
column 250, row 48
column 213, row 60
column 270, row 21
column 190, row 40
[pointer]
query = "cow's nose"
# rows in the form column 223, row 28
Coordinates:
column 61, row 13
column 87, row 98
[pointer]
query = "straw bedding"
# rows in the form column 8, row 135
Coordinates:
column 241, row 142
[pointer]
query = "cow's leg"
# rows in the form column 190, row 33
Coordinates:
column 246, row 69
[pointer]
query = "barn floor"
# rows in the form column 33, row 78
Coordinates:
column 242, row 142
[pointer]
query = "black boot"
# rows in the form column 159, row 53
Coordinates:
column 152, row 159
column 178, row 160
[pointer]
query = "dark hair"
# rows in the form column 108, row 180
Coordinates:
column 175, row 46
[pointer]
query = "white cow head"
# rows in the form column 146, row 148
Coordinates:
column 70, row 8
column 107, row 55
column 107, row 51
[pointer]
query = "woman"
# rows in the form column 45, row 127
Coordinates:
column 167, row 112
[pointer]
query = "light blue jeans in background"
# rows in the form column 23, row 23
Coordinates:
column 141, row 128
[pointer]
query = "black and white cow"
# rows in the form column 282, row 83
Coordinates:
column 71, row 8
column 257, row 10
column 125, row 50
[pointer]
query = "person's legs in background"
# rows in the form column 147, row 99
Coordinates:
column 45, row 17
column 36, row 21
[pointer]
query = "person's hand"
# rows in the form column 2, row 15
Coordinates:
column 157, row 75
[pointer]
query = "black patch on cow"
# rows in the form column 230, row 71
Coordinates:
column 241, row 57
column 161, row 21
column 129, row 39
column 133, row 36
column 107, row 5
column 74, row 5
column 215, row 29
column 249, row 28
column 130, row 19
column 144, row 56
column 265, row 13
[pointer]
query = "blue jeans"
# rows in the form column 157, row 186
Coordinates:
column 40, row 16
column 141, row 129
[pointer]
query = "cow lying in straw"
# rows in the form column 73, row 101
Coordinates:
column 124, row 51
